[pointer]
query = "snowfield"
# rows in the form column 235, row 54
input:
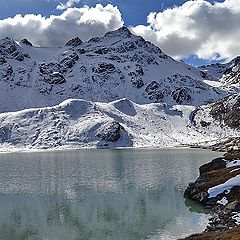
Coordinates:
column 112, row 91
column 84, row 124
column 115, row 66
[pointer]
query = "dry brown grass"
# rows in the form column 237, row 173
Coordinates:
column 232, row 155
column 217, row 177
column 233, row 234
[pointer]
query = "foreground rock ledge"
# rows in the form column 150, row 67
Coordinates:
column 233, row 234
column 218, row 188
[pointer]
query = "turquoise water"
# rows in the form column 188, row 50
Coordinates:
column 99, row 194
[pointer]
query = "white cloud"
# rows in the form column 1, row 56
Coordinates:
column 197, row 27
column 68, row 4
column 84, row 22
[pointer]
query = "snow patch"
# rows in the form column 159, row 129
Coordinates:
column 227, row 186
column 223, row 201
column 234, row 163
column 237, row 218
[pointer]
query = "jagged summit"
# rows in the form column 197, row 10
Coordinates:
column 74, row 42
column 231, row 76
column 236, row 60
column 26, row 42
column 9, row 49
column 132, row 94
column 115, row 66
column 122, row 32
column 226, row 73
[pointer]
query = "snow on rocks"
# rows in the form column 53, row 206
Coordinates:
column 77, row 123
column 217, row 181
column 158, row 95
column 218, row 187
column 227, row 186
column 223, row 201
column 235, row 163
column 221, row 119
column 115, row 66
column 236, row 217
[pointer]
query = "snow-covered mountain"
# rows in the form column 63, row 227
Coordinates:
column 214, row 71
column 226, row 74
column 122, row 123
column 112, row 91
column 117, row 65
column 81, row 123
column 223, row 113
column 221, row 118
column 231, row 76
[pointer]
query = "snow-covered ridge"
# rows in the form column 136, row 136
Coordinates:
column 227, row 74
column 117, row 65
column 133, row 95
column 84, row 124
column 224, row 113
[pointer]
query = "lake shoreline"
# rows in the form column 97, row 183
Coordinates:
column 149, row 183
column 216, row 189
column 36, row 150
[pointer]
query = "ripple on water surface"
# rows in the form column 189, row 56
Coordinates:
column 99, row 194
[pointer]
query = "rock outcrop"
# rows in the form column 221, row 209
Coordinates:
column 104, row 69
column 233, row 234
column 218, row 187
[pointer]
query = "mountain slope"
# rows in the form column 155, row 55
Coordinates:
column 117, row 65
column 221, row 119
column 122, row 123
column 227, row 74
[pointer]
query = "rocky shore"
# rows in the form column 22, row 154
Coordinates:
column 218, row 188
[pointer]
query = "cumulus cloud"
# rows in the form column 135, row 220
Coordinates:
column 197, row 27
column 55, row 30
column 68, row 4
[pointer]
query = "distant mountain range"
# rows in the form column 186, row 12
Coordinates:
column 118, row 90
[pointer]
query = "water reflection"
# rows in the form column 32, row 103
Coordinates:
column 98, row 194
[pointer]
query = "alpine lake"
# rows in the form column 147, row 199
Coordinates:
column 125, row 194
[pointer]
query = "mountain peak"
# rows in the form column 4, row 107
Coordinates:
column 235, row 61
column 74, row 42
column 26, row 42
column 122, row 31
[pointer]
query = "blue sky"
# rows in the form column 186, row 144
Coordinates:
column 134, row 13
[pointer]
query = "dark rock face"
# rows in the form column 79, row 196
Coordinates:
column 6, row 71
column 136, row 77
column 154, row 91
column 123, row 32
column 105, row 73
column 217, row 68
column 227, row 110
column 10, row 49
column 213, row 174
column 68, row 61
column 112, row 133
column 232, row 234
column 56, row 78
column 231, row 75
column 215, row 164
column 175, row 87
column 181, row 95
column 2, row 60
column 53, row 72
column 74, row 42
column 104, row 68
column 26, row 42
